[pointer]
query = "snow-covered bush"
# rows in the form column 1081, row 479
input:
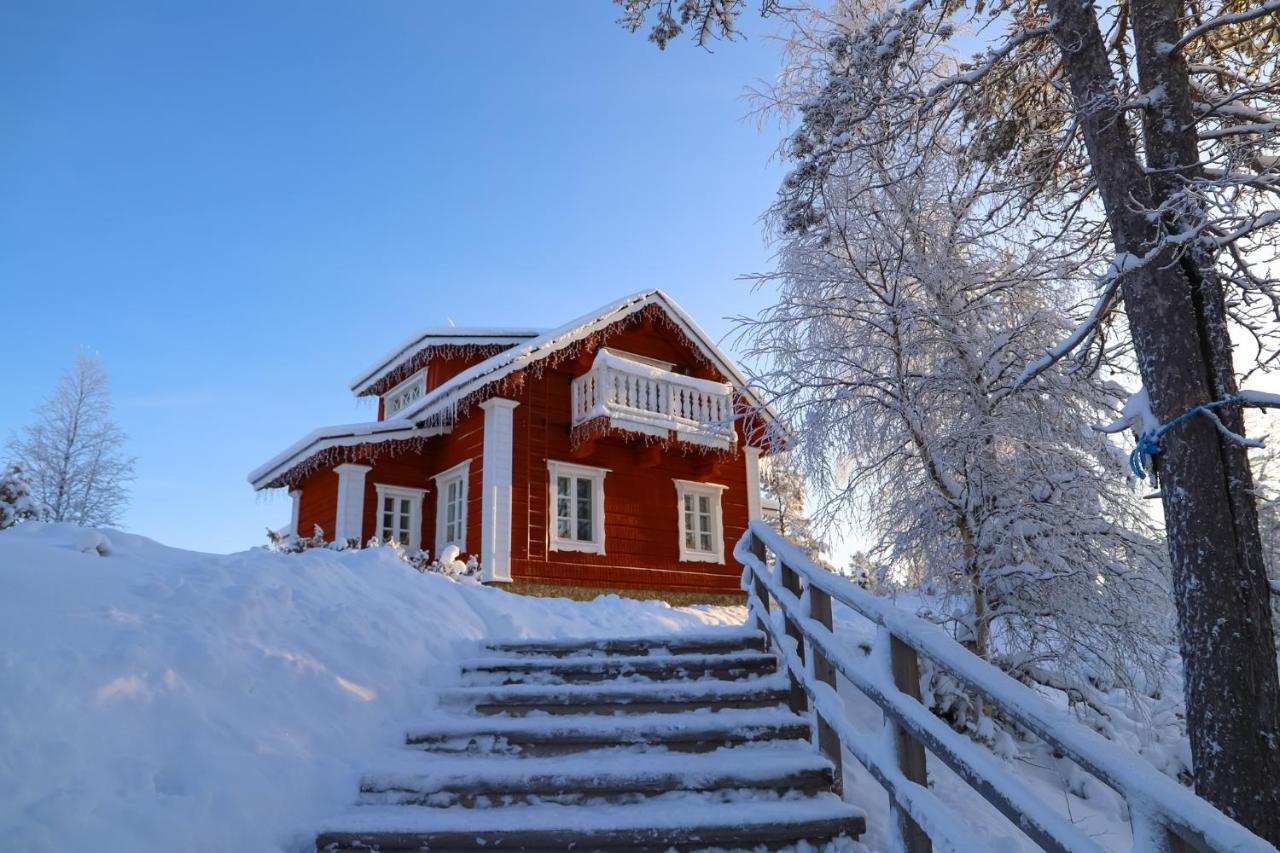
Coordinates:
column 289, row 543
column 449, row 562
column 16, row 503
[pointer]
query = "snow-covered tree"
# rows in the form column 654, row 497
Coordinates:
column 16, row 503
column 783, row 480
column 1149, row 130
column 906, row 312
column 74, row 452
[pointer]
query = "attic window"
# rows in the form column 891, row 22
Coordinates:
column 398, row 398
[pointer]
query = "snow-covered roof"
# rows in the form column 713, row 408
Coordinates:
column 341, row 435
column 444, row 398
column 434, row 337
column 434, row 412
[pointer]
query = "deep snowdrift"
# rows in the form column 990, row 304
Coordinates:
column 159, row 699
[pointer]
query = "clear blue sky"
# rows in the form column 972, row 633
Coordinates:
column 240, row 204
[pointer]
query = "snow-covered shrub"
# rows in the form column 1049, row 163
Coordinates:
column 289, row 543
column 449, row 563
column 16, row 503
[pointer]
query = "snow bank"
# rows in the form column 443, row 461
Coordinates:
column 159, row 699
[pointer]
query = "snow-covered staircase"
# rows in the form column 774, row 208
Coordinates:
column 680, row 742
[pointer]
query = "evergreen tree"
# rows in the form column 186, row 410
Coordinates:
column 16, row 503
column 783, row 480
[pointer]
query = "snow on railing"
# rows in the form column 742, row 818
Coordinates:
column 1164, row 815
column 651, row 400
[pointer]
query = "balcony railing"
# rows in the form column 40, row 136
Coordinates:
column 653, row 401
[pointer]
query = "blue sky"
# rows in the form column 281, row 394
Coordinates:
column 238, row 205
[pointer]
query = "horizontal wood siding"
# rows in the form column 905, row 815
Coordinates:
column 319, row 504
column 640, row 503
column 417, row 469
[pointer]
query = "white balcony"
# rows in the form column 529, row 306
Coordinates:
column 639, row 398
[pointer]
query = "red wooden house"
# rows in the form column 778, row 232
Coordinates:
column 619, row 451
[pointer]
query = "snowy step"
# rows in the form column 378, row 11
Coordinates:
column 725, row 641
column 606, row 775
column 691, row 731
column 631, row 698
column 578, row 670
column 675, row 821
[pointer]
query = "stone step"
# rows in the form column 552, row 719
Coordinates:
column 607, row 775
column 630, row 698
column 693, row 731
column 677, row 821
column 579, row 670
column 726, row 641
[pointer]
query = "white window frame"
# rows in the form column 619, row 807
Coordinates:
column 713, row 491
column 596, row 476
column 460, row 473
column 417, row 379
column 414, row 496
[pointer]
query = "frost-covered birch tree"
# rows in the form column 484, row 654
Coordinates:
column 1149, row 129
column 73, row 454
column 903, row 320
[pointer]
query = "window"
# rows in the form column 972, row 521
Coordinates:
column 701, row 525
column 451, row 507
column 399, row 515
column 577, row 508
column 399, row 397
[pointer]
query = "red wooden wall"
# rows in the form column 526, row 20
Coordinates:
column 640, row 504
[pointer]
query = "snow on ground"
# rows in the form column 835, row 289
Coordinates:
column 159, row 699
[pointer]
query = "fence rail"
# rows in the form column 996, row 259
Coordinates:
column 1165, row 816
column 649, row 399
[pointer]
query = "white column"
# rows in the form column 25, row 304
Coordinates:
column 295, row 495
column 752, row 455
column 495, row 501
column 350, row 518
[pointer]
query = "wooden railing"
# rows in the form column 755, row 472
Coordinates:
column 1165, row 816
column 654, row 401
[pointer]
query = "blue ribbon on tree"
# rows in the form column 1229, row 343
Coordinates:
column 1149, row 441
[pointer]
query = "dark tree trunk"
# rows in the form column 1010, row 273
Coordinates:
column 1175, row 309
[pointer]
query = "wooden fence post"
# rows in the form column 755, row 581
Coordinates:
column 906, row 676
column 799, row 700
column 757, row 584
column 828, row 740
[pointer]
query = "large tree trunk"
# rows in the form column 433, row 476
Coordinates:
column 1184, row 355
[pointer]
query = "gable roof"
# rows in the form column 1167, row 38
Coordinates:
column 433, row 337
column 436, row 410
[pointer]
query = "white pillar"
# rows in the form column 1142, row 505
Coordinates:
column 350, row 518
column 495, row 501
column 295, row 495
column 752, row 455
